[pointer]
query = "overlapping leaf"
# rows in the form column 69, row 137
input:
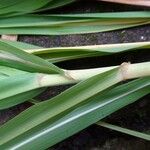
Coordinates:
column 6, row 74
column 72, row 24
column 18, row 7
column 58, row 54
column 27, row 81
column 17, row 58
column 19, row 98
column 23, row 80
column 67, row 53
column 57, row 105
column 79, row 106
column 64, row 125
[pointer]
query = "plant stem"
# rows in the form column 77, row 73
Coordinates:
column 126, row 71
column 138, row 70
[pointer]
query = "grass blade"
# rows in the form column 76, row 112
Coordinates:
column 124, row 130
column 67, row 53
column 13, row 57
column 56, row 3
column 23, row 7
column 72, row 24
column 20, row 7
column 6, row 74
column 66, row 100
column 98, row 107
column 31, row 81
column 57, row 105
column 19, row 98
column 21, row 45
column 58, row 54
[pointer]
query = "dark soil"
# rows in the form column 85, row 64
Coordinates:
column 135, row 116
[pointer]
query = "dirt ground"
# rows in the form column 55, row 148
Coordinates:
column 136, row 116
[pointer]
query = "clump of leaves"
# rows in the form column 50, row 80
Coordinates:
column 98, row 92
column 27, row 70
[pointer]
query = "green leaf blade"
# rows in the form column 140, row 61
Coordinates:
column 124, row 130
column 98, row 107
column 61, row 103
column 13, row 57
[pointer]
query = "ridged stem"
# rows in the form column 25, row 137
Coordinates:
column 127, row 71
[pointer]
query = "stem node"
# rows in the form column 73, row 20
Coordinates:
column 124, row 70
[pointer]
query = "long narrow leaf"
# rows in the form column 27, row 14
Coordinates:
column 19, row 7
column 19, row 98
column 65, row 101
column 17, row 58
column 56, row 3
column 66, row 53
column 21, row 45
column 72, row 24
column 57, row 105
column 6, row 74
column 124, row 130
column 97, row 107
column 31, row 81
column 23, row 6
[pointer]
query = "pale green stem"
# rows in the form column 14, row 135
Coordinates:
column 127, row 71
